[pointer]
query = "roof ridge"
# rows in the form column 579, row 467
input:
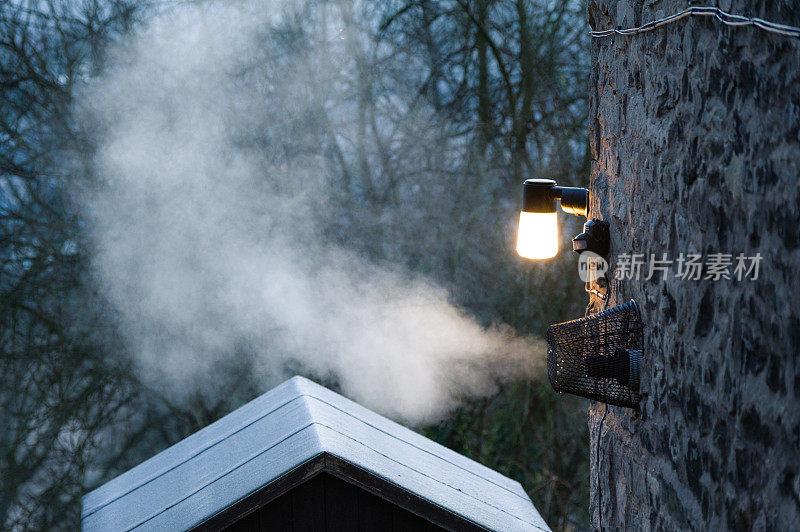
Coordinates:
column 283, row 428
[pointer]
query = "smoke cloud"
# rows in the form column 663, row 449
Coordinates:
column 208, row 226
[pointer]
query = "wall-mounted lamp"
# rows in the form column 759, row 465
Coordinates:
column 537, row 237
column 596, row 356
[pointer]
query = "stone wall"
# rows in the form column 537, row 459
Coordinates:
column 695, row 140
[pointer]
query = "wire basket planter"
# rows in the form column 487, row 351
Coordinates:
column 598, row 356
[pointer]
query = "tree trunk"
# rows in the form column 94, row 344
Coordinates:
column 696, row 149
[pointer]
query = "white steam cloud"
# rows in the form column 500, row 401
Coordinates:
column 207, row 237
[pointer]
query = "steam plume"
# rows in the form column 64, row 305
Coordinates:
column 207, row 235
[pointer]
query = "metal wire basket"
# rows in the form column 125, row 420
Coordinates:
column 598, row 356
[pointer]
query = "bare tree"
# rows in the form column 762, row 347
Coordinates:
column 443, row 108
column 57, row 392
column 427, row 116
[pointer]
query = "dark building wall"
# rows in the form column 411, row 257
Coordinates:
column 695, row 138
column 326, row 503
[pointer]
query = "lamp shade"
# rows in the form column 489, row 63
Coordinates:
column 537, row 237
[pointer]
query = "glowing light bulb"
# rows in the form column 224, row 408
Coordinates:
column 537, row 237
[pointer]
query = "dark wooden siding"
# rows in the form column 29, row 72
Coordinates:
column 326, row 503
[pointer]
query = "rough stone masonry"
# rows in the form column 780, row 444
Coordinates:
column 695, row 139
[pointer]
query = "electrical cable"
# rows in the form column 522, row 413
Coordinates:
column 597, row 462
column 604, row 296
column 729, row 19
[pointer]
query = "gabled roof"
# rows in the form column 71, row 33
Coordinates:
column 284, row 437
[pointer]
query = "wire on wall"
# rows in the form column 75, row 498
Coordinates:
column 729, row 19
column 597, row 468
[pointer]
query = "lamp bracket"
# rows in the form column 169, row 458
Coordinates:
column 574, row 200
